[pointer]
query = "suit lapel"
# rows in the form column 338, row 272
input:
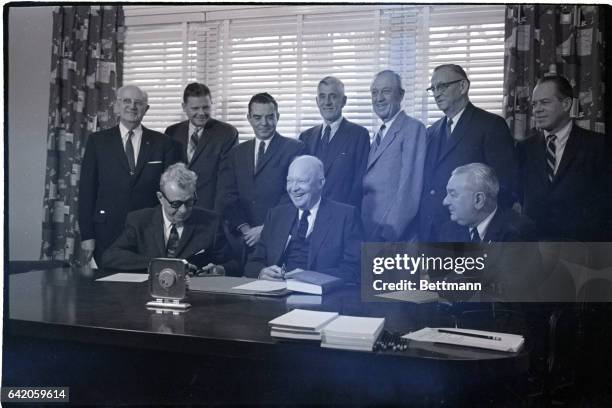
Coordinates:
column 336, row 145
column 321, row 227
column 117, row 146
column 188, row 229
column 459, row 132
column 571, row 148
column 204, row 140
column 271, row 150
column 494, row 228
column 540, row 159
column 387, row 140
column 156, row 230
column 281, row 236
column 315, row 137
column 145, row 151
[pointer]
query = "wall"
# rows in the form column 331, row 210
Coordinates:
column 29, row 60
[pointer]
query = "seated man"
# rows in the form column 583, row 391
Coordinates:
column 471, row 198
column 312, row 233
column 176, row 229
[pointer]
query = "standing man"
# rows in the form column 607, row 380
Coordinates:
column 310, row 233
column 204, row 143
column 394, row 174
column 119, row 173
column 341, row 145
column 564, row 171
column 255, row 172
column 466, row 134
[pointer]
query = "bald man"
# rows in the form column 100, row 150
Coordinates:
column 311, row 233
column 120, row 173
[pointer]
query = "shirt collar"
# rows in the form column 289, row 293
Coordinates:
column 167, row 223
column 124, row 131
column 333, row 126
column 192, row 129
column 456, row 118
column 389, row 123
column 563, row 133
column 267, row 141
column 484, row 224
column 313, row 210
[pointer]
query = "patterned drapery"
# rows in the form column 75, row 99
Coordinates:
column 554, row 39
column 86, row 70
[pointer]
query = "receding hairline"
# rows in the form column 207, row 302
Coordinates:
column 332, row 81
column 314, row 165
column 125, row 87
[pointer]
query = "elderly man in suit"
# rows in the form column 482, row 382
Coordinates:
column 173, row 229
column 471, row 198
column 119, row 173
column 311, row 233
column 466, row 134
column 204, row 143
column 564, row 170
column 341, row 145
column 393, row 179
column 255, row 172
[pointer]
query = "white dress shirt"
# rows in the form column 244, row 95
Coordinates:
column 168, row 227
column 333, row 128
column 484, row 225
column 136, row 138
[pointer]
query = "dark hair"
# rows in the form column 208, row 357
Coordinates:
column 263, row 98
column 563, row 85
column 195, row 89
column 458, row 69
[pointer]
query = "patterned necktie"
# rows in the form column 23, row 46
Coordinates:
column 303, row 225
column 474, row 236
column 193, row 143
column 326, row 134
column 129, row 152
column 260, row 154
column 379, row 134
column 173, row 240
column 551, row 159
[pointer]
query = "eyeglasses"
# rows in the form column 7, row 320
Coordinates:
column 137, row 102
column 178, row 203
column 441, row 87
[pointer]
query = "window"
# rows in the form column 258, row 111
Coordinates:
column 286, row 50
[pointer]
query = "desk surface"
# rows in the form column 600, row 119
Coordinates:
column 65, row 304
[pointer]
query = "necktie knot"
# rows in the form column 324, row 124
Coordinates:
column 326, row 134
column 260, row 153
column 379, row 134
column 449, row 128
column 303, row 225
column 474, row 236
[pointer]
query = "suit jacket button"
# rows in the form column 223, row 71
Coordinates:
column 432, row 192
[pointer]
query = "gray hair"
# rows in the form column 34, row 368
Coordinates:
column 396, row 77
column 124, row 87
column 457, row 69
column 313, row 163
column 332, row 80
column 481, row 178
column 183, row 177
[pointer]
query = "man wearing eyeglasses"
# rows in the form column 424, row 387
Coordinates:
column 565, row 172
column 466, row 134
column 173, row 229
column 119, row 173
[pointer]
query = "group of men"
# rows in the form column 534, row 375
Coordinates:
column 275, row 204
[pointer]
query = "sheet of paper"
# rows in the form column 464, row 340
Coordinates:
column 125, row 277
column 261, row 285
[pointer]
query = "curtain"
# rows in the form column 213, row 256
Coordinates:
column 86, row 70
column 553, row 39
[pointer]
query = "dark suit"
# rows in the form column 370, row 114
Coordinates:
column 215, row 143
column 107, row 192
column 143, row 239
column 334, row 241
column 478, row 137
column 249, row 194
column 393, row 181
column 505, row 226
column 344, row 162
column 572, row 207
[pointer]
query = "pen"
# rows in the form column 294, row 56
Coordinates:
column 480, row 336
column 283, row 270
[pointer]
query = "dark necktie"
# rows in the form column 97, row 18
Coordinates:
column 129, row 152
column 379, row 134
column 326, row 134
column 323, row 143
column 173, row 240
column 303, row 225
column 474, row 236
column 260, row 154
column 193, row 143
column 551, row 159
column 449, row 131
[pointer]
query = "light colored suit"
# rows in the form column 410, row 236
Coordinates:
column 393, row 181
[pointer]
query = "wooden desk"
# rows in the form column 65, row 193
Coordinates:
column 221, row 350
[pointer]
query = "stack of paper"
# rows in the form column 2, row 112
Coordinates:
column 312, row 282
column 352, row 333
column 301, row 324
column 469, row 338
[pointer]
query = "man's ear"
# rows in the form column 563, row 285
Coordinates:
column 479, row 200
column 159, row 196
column 567, row 104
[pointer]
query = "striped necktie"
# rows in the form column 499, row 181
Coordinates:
column 129, row 152
column 193, row 143
column 551, row 159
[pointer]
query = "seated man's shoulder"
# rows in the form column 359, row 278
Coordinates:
column 143, row 215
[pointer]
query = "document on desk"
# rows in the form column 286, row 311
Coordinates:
column 125, row 277
column 262, row 285
column 469, row 338
column 412, row 296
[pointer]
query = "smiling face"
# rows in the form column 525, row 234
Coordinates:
column 131, row 106
column 550, row 110
column 387, row 96
column 263, row 117
column 461, row 200
column 197, row 109
column 330, row 100
column 304, row 183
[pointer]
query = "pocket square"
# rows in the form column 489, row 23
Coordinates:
column 154, row 162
